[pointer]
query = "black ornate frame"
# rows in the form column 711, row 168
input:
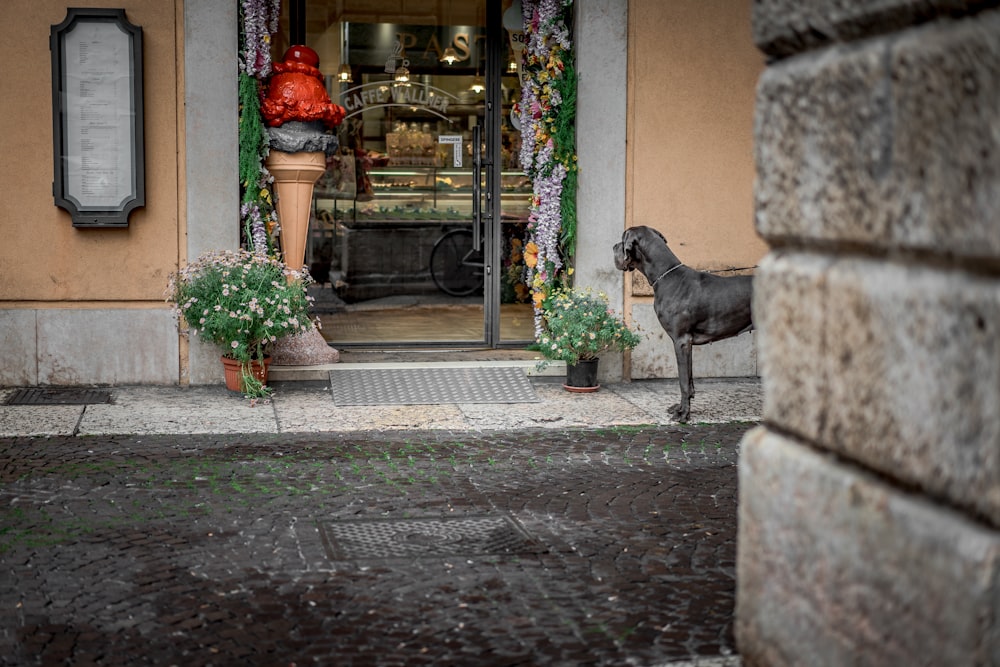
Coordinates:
column 85, row 215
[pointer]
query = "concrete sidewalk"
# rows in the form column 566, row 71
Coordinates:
column 307, row 407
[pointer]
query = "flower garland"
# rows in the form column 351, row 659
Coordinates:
column 258, row 20
column 547, row 113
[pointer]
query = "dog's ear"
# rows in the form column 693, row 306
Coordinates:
column 628, row 242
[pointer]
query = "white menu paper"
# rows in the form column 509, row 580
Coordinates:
column 98, row 116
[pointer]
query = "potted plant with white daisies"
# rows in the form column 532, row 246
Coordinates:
column 242, row 301
column 578, row 326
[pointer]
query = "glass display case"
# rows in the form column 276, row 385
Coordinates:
column 373, row 235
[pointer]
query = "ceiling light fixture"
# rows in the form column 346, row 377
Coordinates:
column 450, row 56
column 402, row 75
column 478, row 85
column 344, row 74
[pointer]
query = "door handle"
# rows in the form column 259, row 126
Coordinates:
column 477, row 187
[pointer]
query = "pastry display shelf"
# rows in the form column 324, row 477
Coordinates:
column 380, row 244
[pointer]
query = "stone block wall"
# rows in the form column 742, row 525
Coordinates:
column 870, row 498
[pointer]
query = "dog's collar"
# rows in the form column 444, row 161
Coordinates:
column 665, row 273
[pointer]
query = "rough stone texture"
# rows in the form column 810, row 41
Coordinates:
column 308, row 348
column 894, row 366
column 18, row 340
column 144, row 345
column 600, row 33
column 211, row 142
column 655, row 357
column 206, row 550
column 308, row 407
column 834, row 567
column 785, row 27
column 878, row 316
column 851, row 149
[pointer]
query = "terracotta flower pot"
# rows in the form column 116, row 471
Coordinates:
column 234, row 372
column 581, row 377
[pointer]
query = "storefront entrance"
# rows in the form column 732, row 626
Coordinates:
column 418, row 224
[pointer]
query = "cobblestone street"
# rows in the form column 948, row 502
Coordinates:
column 610, row 546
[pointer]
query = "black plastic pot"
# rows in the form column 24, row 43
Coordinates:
column 582, row 376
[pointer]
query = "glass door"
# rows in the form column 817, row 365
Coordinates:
column 419, row 219
column 511, row 318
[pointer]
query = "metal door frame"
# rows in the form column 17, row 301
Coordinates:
column 495, row 60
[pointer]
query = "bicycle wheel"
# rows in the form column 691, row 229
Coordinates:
column 451, row 272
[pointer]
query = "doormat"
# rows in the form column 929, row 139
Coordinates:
column 37, row 396
column 360, row 539
column 431, row 386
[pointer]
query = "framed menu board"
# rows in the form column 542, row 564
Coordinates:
column 97, row 117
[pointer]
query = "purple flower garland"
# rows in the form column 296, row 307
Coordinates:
column 546, row 163
column 259, row 19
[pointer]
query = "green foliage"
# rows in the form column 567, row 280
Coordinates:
column 253, row 136
column 579, row 324
column 257, row 207
column 567, row 202
column 564, row 139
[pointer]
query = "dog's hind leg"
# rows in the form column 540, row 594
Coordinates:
column 682, row 348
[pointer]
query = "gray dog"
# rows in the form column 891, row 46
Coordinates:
column 693, row 307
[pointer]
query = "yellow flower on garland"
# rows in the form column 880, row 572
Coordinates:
column 531, row 254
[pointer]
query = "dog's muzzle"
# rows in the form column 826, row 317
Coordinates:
column 619, row 259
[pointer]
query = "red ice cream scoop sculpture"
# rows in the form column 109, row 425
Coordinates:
column 297, row 99
column 296, row 92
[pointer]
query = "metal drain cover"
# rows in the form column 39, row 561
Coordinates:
column 37, row 396
column 425, row 537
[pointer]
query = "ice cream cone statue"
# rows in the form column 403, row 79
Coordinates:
column 294, row 176
column 298, row 111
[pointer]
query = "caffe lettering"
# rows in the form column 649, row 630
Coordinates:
column 378, row 93
column 371, row 96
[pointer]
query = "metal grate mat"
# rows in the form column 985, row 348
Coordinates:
column 431, row 386
column 360, row 539
column 38, row 396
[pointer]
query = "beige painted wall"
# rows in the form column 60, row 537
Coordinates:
column 43, row 258
column 693, row 72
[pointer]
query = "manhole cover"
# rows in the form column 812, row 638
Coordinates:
column 36, row 396
column 415, row 538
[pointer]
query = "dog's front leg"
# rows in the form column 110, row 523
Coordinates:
column 682, row 349
column 690, row 372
